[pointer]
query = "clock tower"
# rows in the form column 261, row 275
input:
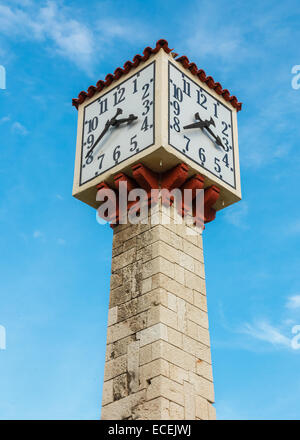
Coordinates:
column 162, row 134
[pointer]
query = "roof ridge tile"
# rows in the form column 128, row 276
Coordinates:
column 147, row 52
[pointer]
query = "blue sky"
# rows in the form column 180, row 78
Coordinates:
column 55, row 258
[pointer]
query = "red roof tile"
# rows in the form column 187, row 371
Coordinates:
column 148, row 51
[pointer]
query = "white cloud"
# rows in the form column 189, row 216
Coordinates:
column 293, row 302
column 4, row 119
column 37, row 234
column 264, row 331
column 17, row 127
column 68, row 37
column 55, row 26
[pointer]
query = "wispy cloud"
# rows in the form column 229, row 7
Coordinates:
column 264, row 331
column 60, row 33
column 37, row 234
column 18, row 128
column 293, row 302
column 4, row 119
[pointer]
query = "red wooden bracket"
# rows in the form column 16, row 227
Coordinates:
column 173, row 179
column 211, row 195
column 146, row 178
column 194, row 183
column 121, row 177
column 114, row 218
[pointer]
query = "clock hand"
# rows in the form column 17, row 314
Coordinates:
column 129, row 120
column 108, row 123
column 201, row 124
column 206, row 124
column 217, row 138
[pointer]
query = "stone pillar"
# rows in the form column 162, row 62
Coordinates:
column 158, row 360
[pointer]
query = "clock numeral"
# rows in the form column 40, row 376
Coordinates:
column 134, row 86
column 216, row 110
column 226, row 142
column 133, row 143
column 92, row 124
column 103, row 105
column 201, row 99
column 177, row 93
column 90, row 140
column 225, row 128
column 145, row 124
column 188, row 143
column 176, row 124
column 217, row 163
column 100, row 158
column 89, row 159
column 146, row 93
column 186, row 87
column 117, row 153
column 225, row 160
column 146, row 104
column 176, row 108
column 202, row 155
column 119, row 96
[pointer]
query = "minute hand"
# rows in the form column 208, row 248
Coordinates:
column 109, row 122
column 217, row 138
column 106, row 127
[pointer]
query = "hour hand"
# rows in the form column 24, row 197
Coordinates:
column 200, row 124
column 106, row 127
column 129, row 120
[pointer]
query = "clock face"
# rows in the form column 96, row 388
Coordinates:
column 118, row 125
column 207, row 138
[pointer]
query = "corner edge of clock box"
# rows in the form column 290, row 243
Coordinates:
column 159, row 160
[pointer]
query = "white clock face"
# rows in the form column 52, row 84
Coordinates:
column 209, row 139
column 131, row 101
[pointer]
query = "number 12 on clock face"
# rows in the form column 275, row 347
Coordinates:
column 118, row 124
column 200, row 126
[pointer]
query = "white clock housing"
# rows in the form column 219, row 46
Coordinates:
column 165, row 97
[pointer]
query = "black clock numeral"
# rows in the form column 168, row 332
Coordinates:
column 176, row 124
column 188, row 143
column 145, row 124
column 92, row 124
column 177, row 93
column 133, row 143
column 202, row 156
column 119, row 96
column 226, row 142
column 134, row 86
column 217, row 163
column 100, row 158
column 117, row 153
column 146, row 104
column 176, row 108
column 89, row 159
column 90, row 140
column 225, row 160
column 186, row 87
column 216, row 110
column 103, row 105
column 201, row 99
column 225, row 128
column 146, row 93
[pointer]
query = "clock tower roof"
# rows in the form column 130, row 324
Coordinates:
column 147, row 52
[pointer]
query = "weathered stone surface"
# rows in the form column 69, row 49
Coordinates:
column 158, row 361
